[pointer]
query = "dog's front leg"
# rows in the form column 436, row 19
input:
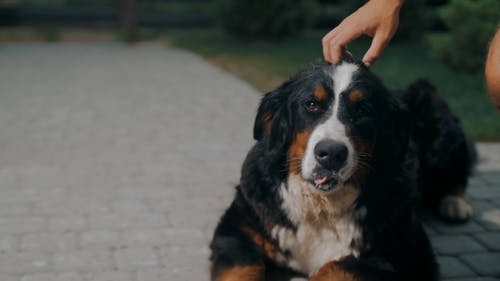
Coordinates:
column 240, row 273
column 354, row 269
column 332, row 271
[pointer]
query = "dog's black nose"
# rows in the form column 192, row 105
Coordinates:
column 331, row 154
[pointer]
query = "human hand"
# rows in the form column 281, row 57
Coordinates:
column 377, row 18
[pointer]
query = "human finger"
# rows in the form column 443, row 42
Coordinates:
column 378, row 44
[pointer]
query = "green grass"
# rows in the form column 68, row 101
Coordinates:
column 266, row 64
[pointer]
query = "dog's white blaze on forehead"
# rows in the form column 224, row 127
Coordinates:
column 332, row 128
column 342, row 77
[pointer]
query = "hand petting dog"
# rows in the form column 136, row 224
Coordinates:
column 377, row 18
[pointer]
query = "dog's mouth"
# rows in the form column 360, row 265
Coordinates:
column 325, row 180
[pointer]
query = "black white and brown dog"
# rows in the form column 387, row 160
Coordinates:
column 329, row 189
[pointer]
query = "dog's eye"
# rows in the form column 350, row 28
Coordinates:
column 312, row 105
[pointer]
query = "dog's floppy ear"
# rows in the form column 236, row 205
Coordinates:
column 273, row 117
column 418, row 98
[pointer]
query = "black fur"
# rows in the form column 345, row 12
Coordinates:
column 446, row 157
column 415, row 118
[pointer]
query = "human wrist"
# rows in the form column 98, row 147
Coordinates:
column 392, row 4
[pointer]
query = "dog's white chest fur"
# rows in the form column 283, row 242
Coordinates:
column 326, row 227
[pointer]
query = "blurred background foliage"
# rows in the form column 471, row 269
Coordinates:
column 264, row 42
column 471, row 25
column 264, row 19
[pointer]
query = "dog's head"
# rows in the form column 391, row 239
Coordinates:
column 334, row 123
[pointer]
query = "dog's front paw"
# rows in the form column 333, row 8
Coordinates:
column 331, row 271
column 455, row 208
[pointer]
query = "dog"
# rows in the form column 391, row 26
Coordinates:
column 330, row 188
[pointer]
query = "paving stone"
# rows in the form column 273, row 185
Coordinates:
column 83, row 260
column 480, row 205
column 8, row 244
column 194, row 198
column 452, row 267
column 112, row 276
column 459, row 228
column 24, row 263
column 183, row 259
column 476, row 180
column 67, row 223
column 182, row 219
column 489, row 158
column 490, row 239
column 102, row 239
column 48, row 242
column 183, row 237
column 455, row 244
column 486, row 213
column 19, row 225
column 162, row 274
column 473, row 279
column 83, row 153
column 495, row 202
column 484, row 263
column 136, row 258
column 15, row 209
column 126, row 221
column 144, row 236
column 148, row 192
column 484, row 192
column 492, row 178
column 128, row 206
column 8, row 277
column 64, row 276
column 489, row 219
column 27, row 195
column 71, row 206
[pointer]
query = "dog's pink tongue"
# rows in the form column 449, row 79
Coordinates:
column 321, row 180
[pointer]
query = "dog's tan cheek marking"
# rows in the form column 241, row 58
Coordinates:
column 355, row 96
column 242, row 273
column 320, row 93
column 296, row 151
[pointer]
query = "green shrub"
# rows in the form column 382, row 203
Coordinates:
column 264, row 19
column 471, row 25
column 413, row 20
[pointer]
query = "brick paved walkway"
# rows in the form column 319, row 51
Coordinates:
column 116, row 162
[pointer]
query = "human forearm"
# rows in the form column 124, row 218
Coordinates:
column 492, row 70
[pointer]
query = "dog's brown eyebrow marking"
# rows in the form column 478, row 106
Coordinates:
column 320, row 93
column 355, row 96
